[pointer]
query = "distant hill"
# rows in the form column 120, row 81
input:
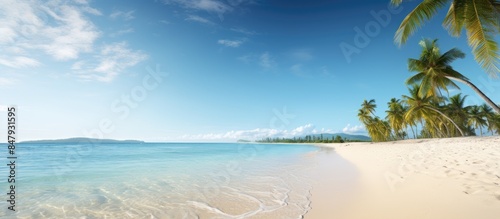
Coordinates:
column 344, row 136
column 243, row 141
column 83, row 140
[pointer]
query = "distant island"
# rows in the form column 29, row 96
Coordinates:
column 319, row 138
column 82, row 140
column 243, row 141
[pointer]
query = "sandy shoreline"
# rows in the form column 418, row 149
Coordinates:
column 420, row 178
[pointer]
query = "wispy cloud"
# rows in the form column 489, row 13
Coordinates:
column 301, row 55
column 199, row 19
column 244, row 31
column 122, row 32
column 219, row 7
column 19, row 62
column 235, row 3
column 63, row 31
column 257, row 134
column 357, row 129
column 297, row 70
column 26, row 24
column 125, row 15
column 203, row 5
column 67, row 41
column 326, row 73
column 86, row 8
column 246, row 58
column 266, row 60
column 230, row 43
column 111, row 61
column 6, row 82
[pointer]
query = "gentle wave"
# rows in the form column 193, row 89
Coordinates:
column 113, row 182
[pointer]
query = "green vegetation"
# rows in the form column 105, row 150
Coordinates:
column 426, row 106
column 321, row 138
column 243, row 141
column 479, row 18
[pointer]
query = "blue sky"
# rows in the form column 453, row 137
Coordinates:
column 206, row 70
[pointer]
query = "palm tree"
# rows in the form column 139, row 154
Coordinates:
column 489, row 115
column 476, row 118
column 457, row 110
column 364, row 116
column 435, row 73
column 422, row 108
column 377, row 128
column 495, row 124
column 480, row 19
column 369, row 106
column 395, row 117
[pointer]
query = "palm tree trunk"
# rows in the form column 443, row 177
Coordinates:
column 479, row 92
column 445, row 116
column 412, row 131
column 446, row 127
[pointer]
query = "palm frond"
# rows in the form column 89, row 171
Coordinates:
column 482, row 24
column 454, row 20
column 425, row 86
column 423, row 12
column 416, row 65
column 450, row 56
column 415, row 79
column 450, row 72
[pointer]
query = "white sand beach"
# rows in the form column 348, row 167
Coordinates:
column 419, row 178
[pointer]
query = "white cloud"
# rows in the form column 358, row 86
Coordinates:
column 125, row 15
column 241, row 2
column 266, row 60
column 19, row 62
column 258, row 134
column 112, row 60
column 199, row 19
column 92, row 10
column 230, row 43
column 60, row 30
column 244, row 31
column 122, row 32
column 82, row 1
column 357, row 129
column 203, row 5
column 302, row 55
column 74, row 35
column 246, row 58
column 6, row 82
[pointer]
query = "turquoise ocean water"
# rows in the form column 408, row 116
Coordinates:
column 159, row 180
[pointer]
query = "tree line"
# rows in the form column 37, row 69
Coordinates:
column 308, row 139
column 426, row 107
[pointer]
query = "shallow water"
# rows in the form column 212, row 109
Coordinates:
column 161, row 180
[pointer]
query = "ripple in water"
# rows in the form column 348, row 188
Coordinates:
column 197, row 181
